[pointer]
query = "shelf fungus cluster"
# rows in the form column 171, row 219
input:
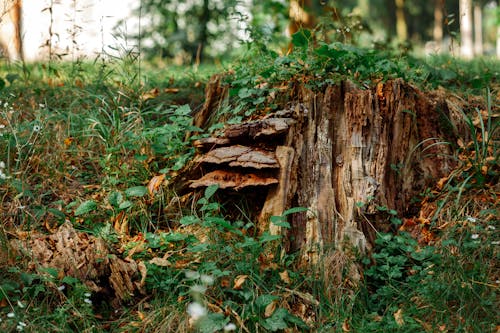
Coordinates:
column 244, row 156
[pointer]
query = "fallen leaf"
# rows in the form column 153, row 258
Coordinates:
column 171, row 90
column 160, row 262
column 141, row 315
column 270, row 309
column 150, row 94
column 345, row 326
column 398, row 317
column 120, row 223
column 155, row 183
column 144, row 272
column 285, row 277
column 225, row 282
column 238, row 281
column 68, row 141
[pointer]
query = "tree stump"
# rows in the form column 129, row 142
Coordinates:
column 342, row 153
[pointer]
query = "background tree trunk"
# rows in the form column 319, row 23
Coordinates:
column 478, row 29
column 438, row 23
column 11, row 29
column 401, row 26
column 466, row 45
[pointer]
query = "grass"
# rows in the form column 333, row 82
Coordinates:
column 81, row 141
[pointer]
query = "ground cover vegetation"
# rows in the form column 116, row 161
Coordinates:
column 97, row 146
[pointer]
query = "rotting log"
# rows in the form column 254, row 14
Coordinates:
column 342, row 153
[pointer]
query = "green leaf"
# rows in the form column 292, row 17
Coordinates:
column 190, row 219
column 70, row 280
column 267, row 237
column 301, row 38
column 136, row 191
column 280, row 221
column 210, row 191
column 124, row 205
column 264, row 300
column 115, row 198
column 277, row 320
column 295, row 210
column 213, row 322
column 11, row 77
column 85, row 207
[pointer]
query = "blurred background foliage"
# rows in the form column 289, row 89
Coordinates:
column 200, row 30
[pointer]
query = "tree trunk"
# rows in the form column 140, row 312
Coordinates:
column 478, row 29
column 341, row 153
column 438, row 23
column 11, row 29
column 401, row 26
column 466, row 45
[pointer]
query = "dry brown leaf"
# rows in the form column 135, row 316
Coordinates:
column 141, row 267
column 285, row 277
column 150, row 94
column 141, row 315
column 238, row 281
column 270, row 309
column 160, row 262
column 171, row 90
column 441, row 182
column 120, row 223
column 155, row 183
column 398, row 317
column 345, row 326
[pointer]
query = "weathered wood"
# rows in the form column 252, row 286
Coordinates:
column 232, row 179
column 241, row 156
column 85, row 257
column 342, row 153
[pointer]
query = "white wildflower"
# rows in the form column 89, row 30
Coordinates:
column 474, row 236
column 87, row 295
column 495, row 243
column 2, row 165
column 471, row 219
column 88, row 301
column 491, row 227
column 198, row 289
column 37, row 128
column 206, row 279
column 11, row 315
column 191, row 275
column 20, row 304
column 230, row 327
column 2, row 126
column 61, row 287
column 195, row 310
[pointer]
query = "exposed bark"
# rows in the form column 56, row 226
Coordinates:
column 342, row 153
column 438, row 23
column 401, row 26
column 466, row 45
column 478, row 29
column 84, row 257
column 11, row 29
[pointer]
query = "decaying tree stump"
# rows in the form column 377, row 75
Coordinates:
column 85, row 257
column 342, row 153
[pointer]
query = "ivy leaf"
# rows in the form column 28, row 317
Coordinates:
column 85, row 207
column 301, row 38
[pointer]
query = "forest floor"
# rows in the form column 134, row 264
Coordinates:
column 94, row 237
